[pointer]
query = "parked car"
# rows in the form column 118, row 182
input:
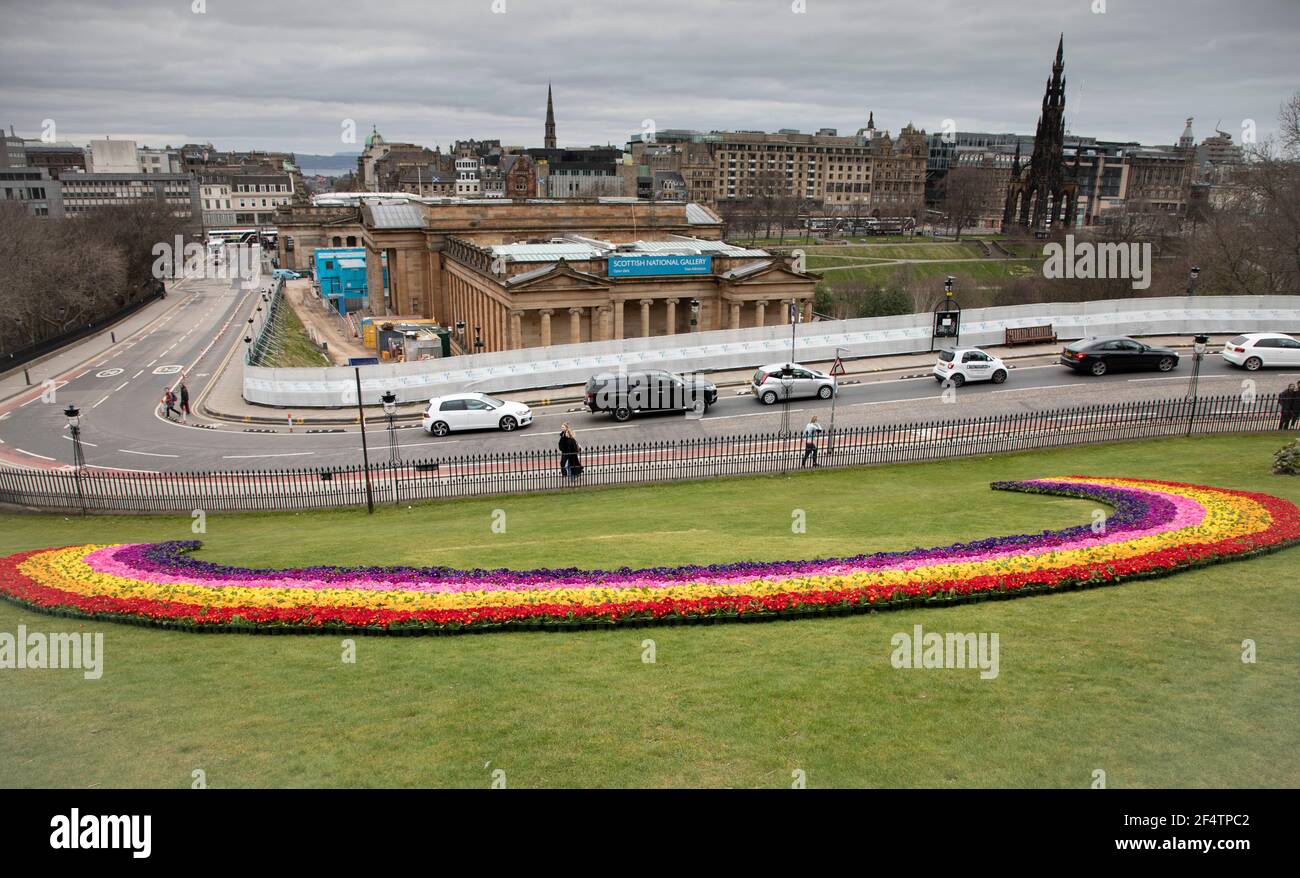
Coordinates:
column 1255, row 350
column 624, row 394
column 790, row 381
column 285, row 273
column 969, row 364
column 1116, row 353
column 473, row 411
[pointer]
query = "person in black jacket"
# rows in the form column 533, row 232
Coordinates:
column 570, row 465
column 1289, row 403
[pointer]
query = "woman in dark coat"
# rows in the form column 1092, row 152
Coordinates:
column 570, row 465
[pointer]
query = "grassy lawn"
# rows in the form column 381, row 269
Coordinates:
column 827, row 260
column 292, row 347
column 1143, row 681
column 990, row 272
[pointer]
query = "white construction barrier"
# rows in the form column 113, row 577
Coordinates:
column 562, row 365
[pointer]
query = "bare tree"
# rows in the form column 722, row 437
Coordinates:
column 968, row 195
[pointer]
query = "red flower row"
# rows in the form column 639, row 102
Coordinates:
column 1285, row 530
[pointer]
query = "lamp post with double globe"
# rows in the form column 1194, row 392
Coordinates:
column 73, row 414
column 389, row 399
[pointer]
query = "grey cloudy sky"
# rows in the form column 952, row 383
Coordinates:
column 267, row 74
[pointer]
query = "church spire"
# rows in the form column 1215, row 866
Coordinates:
column 550, row 119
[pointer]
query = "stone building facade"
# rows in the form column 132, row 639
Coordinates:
column 530, row 273
column 870, row 172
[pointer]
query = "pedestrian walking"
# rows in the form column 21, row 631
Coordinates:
column 1288, row 402
column 570, row 464
column 169, row 404
column 185, row 400
column 810, row 433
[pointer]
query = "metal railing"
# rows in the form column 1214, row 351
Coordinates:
column 631, row 463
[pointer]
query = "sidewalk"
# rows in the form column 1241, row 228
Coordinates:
column 79, row 353
column 224, row 399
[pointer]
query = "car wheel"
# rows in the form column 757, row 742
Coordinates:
column 768, row 398
column 622, row 413
column 508, row 424
column 1098, row 368
column 1253, row 364
column 957, row 380
column 999, row 376
column 825, row 391
column 439, row 428
column 1165, row 364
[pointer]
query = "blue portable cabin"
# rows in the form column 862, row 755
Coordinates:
column 341, row 273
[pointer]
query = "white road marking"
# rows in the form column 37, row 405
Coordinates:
column 1045, row 387
column 32, row 454
column 146, row 453
column 244, row 456
column 83, row 441
column 136, row 375
column 101, row 402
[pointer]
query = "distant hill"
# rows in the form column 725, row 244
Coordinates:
column 329, row 165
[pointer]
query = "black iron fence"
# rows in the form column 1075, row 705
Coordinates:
column 633, row 463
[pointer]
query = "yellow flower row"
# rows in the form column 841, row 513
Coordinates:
column 1227, row 516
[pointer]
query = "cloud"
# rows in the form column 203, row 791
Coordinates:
column 248, row 74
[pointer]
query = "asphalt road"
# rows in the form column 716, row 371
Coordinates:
column 121, row 427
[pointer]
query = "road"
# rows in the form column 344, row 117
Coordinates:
column 121, row 428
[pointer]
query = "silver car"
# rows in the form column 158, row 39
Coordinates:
column 780, row 381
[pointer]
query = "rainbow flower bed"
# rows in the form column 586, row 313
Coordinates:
column 1156, row 528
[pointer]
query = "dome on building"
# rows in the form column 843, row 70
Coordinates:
column 374, row 138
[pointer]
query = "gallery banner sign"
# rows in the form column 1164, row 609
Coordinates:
column 642, row 266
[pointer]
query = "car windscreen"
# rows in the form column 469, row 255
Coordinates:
column 492, row 401
column 1238, row 341
column 1081, row 345
column 947, row 356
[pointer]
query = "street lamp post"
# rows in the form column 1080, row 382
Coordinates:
column 460, row 330
column 1199, row 346
column 695, row 314
column 1191, row 283
column 73, row 414
column 389, row 399
column 365, row 452
column 478, row 340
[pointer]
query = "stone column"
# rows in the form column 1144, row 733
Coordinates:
column 575, row 325
column 735, row 315
column 516, row 330
column 546, row 325
column 672, row 315
column 760, row 316
column 645, row 317
column 617, row 306
column 785, row 306
column 807, row 310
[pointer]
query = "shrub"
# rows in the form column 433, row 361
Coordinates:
column 1286, row 461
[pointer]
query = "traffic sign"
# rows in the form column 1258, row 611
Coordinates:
column 838, row 368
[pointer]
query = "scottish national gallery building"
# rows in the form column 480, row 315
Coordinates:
column 535, row 273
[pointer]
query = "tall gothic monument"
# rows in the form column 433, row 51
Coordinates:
column 1040, row 196
column 550, row 120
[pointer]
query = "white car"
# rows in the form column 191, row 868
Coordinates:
column 473, row 411
column 1256, row 349
column 969, row 364
column 790, row 381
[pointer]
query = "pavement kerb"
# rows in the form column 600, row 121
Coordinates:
column 414, row 413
